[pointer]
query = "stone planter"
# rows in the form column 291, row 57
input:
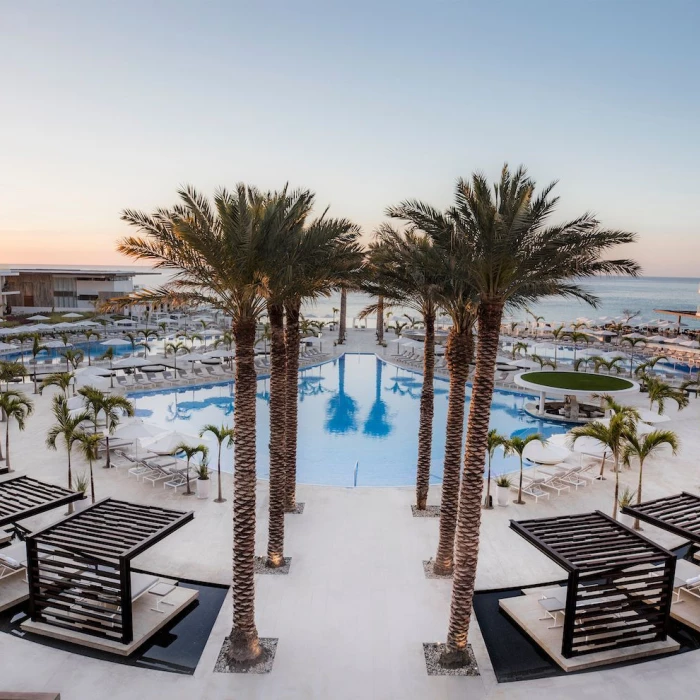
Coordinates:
column 203, row 486
column 82, row 504
column 627, row 520
column 502, row 495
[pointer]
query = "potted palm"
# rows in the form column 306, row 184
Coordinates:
column 503, row 484
column 626, row 499
column 82, row 483
column 203, row 480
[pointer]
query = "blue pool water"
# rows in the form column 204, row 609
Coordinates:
column 355, row 409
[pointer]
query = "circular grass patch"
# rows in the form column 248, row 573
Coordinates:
column 577, row 381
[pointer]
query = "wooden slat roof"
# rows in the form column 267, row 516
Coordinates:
column 22, row 497
column 589, row 542
column 113, row 529
column 678, row 514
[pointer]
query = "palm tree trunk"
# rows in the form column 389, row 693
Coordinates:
column 458, row 353
column 7, row 445
column 220, row 498
column 427, row 402
column 520, row 501
column 70, row 479
column 380, row 320
column 108, row 462
column 469, row 515
column 343, row 315
column 617, row 487
column 92, row 482
column 291, row 407
column 278, row 367
column 244, row 643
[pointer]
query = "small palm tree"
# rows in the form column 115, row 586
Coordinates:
column 581, row 361
column 133, row 339
column 222, row 434
column 543, row 361
column 519, row 347
column 89, row 444
column 175, row 347
column 191, row 451
column 397, row 327
column 493, row 441
column 9, row 371
column 16, row 406
column 62, row 380
column 73, row 357
column 67, row 426
column 37, row 348
column 516, row 445
column 89, row 335
column 640, row 447
column 660, row 392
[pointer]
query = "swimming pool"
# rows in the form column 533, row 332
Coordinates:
column 356, row 409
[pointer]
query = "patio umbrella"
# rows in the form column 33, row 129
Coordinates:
column 93, row 370
column 652, row 417
column 166, row 444
column 57, row 344
column 220, row 354
column 72, row 314
column 131, row 363
column 138, row 430
column 545, row 453
column 38, row 317
column 584, row 445
column 115, row 342
column 92, row 380
column 192, row 357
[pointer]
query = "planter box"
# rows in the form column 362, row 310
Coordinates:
column 82, row 504
column 502, row 493
column 203, row 487
column 626, row 519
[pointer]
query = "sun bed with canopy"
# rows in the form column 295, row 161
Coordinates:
column 677, row 514
column 619, row 587
column 22, row 497
column 79, row 569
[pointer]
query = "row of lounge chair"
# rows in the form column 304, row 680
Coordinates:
column 556, row 479
column 153, row 469
column 173, row 377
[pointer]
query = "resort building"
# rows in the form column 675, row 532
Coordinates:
column 44, row 289
column 6, row 292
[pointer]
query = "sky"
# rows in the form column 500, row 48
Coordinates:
column 107, row 106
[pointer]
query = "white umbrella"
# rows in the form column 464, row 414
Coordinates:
column 92, row 380
column 545, row 453
column 115, row 342
column 220, row 354
column 689, row 343
column 635, row 335
column 652, row 417
column 38, row 317
column 585, row 445
column 93, row 370
column 526, row 364
column 72, row 314
column 192, row 357
column 641, row 428
column 56, row 344
column 137, row 430
column 125, row 322
column 658, row 339
column 132, row 362
column 168, row 443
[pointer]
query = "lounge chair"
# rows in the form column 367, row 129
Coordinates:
column 158, row 473
column 13, row 559
column 532, row 487
column 687, row 580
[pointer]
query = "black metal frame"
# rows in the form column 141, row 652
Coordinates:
column 620, row 584
column 22, row 497
column 79, row 569
column 677, row 514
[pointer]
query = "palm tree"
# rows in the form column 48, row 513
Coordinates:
column 514, row 256
column 9, row 371
column 133, row 339
column 494, row 440
column 222, row 434
column 37, row 348
column 519, row 347
column 342, row 321
column 380, row 320
column 613, row 435
column 577, row 337
column 175, row 346
column 73, row 357
column 191, row 451
column 216, row 254
column 397, row 327
column 535, row 320
column 89, row 335
column 660, row 392
column 89, row 444
column 640, row 447
column 17, row 406
column 67, row 426
column 516, row 445
column 543, row 361
column 406, row 269
column 62, row 380
column 226, row 340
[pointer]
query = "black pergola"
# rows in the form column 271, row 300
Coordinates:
column 23, row 497
column 620, row 584
column 79, row 569
column 678, row 514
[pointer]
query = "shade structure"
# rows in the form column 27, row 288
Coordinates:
column 168, row 443
column 131, row 363
column 677, row 514
column 544, row 453
column 79, row 569
column 115, row 342
column 92, row 380
column 71, row 314
column 192, row 357
column 635, row 336
column 652, row 417
column 220, row 354
column 38, row 317
column 138, row 429
column 584, row 445
column 620, row 584
column 23, row 497
column 93, row 370
column 56, row 344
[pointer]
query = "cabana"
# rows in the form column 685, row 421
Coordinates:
column 82, row 588
column 680, row 515
column 615, row 605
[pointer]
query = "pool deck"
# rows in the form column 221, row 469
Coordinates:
column 356, row 607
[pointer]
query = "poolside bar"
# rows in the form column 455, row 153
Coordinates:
column 619, row 588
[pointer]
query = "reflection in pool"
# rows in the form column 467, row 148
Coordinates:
column 356, row 408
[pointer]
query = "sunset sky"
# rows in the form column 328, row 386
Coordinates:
column 114, row 105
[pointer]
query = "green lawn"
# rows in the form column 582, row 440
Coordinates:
column 577, row 381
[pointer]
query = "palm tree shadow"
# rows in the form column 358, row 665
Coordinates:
column 378, row 422
column 341, row 410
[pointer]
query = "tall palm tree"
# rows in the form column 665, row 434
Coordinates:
column 89, row 444
column 113, row 407
column 494, row 440
column 660, row 392
column 343, row 319
column 216, row 254
column 407, row 269
column 222, row 434
column 16, row 406
column 516, row 445
column 514, row 257
column 37, row 348
column 640, row 447
column 67, row 426
column 89, row 335
column 613, row 435
column 190, row 452
column 62, row 380
column 175, row 346
column 380, row 320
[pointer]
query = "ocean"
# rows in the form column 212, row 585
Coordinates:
column 643, row 294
